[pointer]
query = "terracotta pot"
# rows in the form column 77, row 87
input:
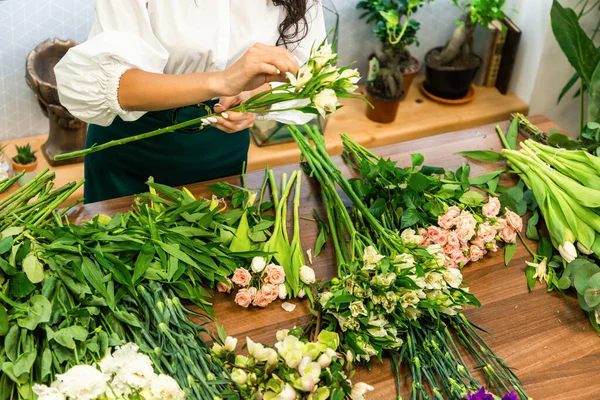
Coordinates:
column 408, row 78
column 383, row 110
column 29, row 171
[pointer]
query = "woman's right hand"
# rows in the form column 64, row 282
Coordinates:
column 259, row 65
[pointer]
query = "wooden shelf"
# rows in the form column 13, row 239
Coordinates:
column 417, row 117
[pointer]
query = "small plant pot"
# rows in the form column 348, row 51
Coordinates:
column 408, row 78
column 449, row 83
column 29, row 171
column 384, row 110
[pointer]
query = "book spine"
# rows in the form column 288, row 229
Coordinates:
column 495, row 59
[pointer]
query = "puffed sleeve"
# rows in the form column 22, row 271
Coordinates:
column 88, row 75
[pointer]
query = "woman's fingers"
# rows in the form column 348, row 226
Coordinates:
column 233, row 123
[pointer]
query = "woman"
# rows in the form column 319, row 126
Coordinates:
column 145, row 60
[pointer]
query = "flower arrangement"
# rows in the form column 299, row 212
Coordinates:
column 293, row 369
column 126, row 374
column 468, row 234
column 317, row 86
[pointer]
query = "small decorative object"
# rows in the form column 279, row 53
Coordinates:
column 450, row 70
column 25, row 160
column 67, row 133
column 6, row 169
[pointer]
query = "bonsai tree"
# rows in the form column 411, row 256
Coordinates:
column 25, row 155
column 396, row 31
column 458, row 52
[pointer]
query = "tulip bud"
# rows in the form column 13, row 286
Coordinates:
column 282, row 291
column 307, row 275
column 349, row 356
column 302, row 293
column 258, row 264
column 567, row 251
column 582, row 249
column 230, row 343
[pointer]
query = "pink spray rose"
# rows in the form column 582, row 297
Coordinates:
column 514, row 220
column 262, row 300
column 492, row 208
column 508, row 234
column 446, row 221
column 453, row 211
column 437, row 235
column 425, row 236
column 274, row 274
column 244, row 297
column 476, row 253
column 465, row 233
column 224, row 287
column 458, row 257
column 452, row 244
column 466, row 220
column 241, row 277
column 486, row 232
column 271, row 292
column 451, row 264
column 479, row 242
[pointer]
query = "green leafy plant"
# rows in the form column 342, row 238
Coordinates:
column 25, row 155
column 393, row 25
column 584, row 56
column 459, row 49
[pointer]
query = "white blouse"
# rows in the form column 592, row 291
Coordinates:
column 166, row 36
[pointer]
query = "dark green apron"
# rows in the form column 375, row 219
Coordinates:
column 174, row 159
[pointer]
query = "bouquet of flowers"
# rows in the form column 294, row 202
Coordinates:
column 315, row 89
column 294, row 369
column 262, row 284
column 126, row 374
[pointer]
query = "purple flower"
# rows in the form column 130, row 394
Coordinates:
column 481, row 394
column 510, row 396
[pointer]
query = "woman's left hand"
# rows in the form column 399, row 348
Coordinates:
column 232, row 122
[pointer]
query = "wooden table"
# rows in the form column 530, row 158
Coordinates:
column 544, row 335
column 417, row 117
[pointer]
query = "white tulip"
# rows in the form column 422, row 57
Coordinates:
column 349, row 356
column 567, row 251
column 230, row 344
column 307, row 274
column 258, row 264
column 582, row 249
column 282, row 291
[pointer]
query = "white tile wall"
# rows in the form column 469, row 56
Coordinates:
column 26, row 23
column 23, row 25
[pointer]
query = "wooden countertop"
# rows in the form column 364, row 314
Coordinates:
column 545, row 336
column 417, row 117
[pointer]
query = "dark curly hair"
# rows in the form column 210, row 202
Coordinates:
column 294, row 26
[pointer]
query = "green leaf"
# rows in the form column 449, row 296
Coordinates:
column 594, row 282
column 46, row 363
column 562, row 141
column 378, row 207
column 410, row 216
column 545, row 248
column 532, row 232
column 564, row 283
column 594, row 101
column 6, row 244
column 93, row 275
column 33, row 268
column 529, row 273
column 568, row 87
column 573, row 41
column 472, row 198
column 417, row 159
column 4, row 325
column 485, row 178
column 262, row 225
column 582, row 277
column 38, row 312
column 241, row 241
column 512, row 133
column 11, row 343
column 143, row 261
column 483, row 155
column 592, row 297
column 12, row 231
column 20, row 286
column 509, row 252
column 24, row 363
column 67, row 336
column 419, row 182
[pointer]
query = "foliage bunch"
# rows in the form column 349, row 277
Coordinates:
column 294, row 368
column 395, row 298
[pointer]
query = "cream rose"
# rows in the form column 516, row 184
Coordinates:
column 446, row 221
column 475, row 253
column 244, row 297
column 271, row 292
column 241, row 277
column 224, row 287
column 508, row 234
column 513, row 220
column 274, row 274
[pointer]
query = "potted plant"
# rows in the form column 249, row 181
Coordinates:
column 25, row 160
column 450, row 70
column 392, row 67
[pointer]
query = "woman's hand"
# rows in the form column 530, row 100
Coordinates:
column 232, row 121
column 259, row 65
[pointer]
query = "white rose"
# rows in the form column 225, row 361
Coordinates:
column 258, row 264
column 230, row 343
column 307, row 274
column 326, row 101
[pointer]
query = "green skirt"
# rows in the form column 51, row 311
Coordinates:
column 174, row 159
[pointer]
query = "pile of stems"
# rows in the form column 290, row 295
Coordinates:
column 7, row 183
